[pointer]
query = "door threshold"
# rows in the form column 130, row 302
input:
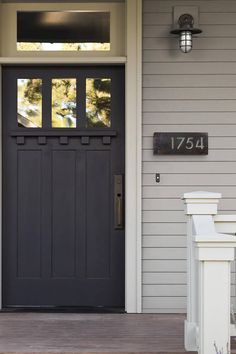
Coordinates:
column 64, row 309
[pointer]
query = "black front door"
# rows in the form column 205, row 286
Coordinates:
column 63, row 186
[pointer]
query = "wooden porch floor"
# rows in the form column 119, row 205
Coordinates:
column 91, row 333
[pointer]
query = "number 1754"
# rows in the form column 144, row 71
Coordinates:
column 187, row 143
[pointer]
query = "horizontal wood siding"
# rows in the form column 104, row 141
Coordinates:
column 193, row 92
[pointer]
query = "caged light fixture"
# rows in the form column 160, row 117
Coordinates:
column 185, row 32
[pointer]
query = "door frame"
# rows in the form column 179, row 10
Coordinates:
column 133, row 146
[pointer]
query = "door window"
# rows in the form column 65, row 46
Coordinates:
column 94, row 104
column 29, row 103
column 98, row 102
column 64, row 103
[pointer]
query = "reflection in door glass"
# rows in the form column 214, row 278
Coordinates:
column 63, row 31
column 29, row 103
column 98, row 102
column 63, row 103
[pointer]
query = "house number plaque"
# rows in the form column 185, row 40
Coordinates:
column 180, row 143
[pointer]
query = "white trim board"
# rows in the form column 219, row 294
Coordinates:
column 1, row 188
column 133, row 156
column 133, row 151
column 63, row 60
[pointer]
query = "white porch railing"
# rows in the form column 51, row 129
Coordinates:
column 210, row 250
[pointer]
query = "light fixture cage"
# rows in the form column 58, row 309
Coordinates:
column 185, row 32
column 185, row 41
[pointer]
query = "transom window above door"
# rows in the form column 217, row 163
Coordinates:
column 74, row 102
column 63, row 31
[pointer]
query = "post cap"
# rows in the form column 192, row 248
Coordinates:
column 201, row 203
column 202, row 195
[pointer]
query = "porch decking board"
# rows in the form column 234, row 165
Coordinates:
column 23, row 333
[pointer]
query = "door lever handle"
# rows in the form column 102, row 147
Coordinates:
column 118, row 202
column 119, row 210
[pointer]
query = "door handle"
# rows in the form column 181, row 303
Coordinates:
column 118, row 202
column 119, row 210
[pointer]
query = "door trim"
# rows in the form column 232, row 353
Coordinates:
column 1, row 153
column 133, row 155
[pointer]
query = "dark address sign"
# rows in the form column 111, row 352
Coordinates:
column 180, row 143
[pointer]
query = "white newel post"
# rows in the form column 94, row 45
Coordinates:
column 209, row 255
column 214, row 294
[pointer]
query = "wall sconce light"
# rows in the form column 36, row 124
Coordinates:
column 185, row 32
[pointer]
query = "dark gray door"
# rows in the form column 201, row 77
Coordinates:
column 63, row 186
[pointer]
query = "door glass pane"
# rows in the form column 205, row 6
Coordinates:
column 29, row 103
column 98, row 102
column 63, row 103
